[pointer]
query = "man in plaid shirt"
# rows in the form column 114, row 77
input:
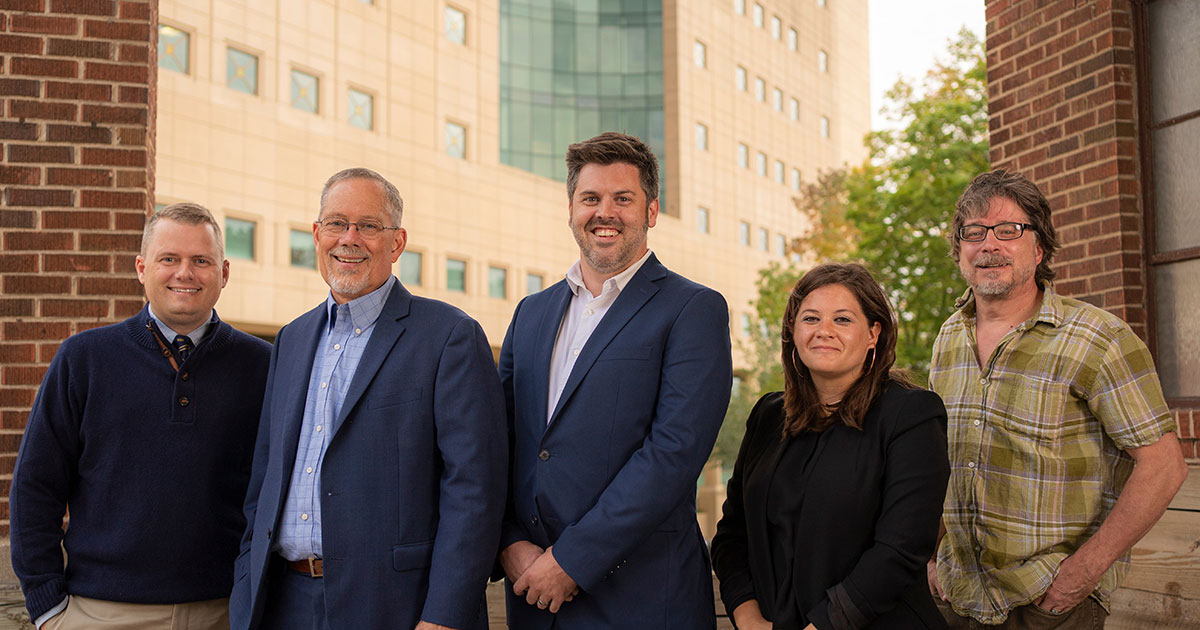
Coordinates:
column 1063, row 452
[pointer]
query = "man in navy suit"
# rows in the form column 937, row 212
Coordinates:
column 378, row 479
column 616, row 380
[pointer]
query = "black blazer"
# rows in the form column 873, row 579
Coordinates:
column 869, row 520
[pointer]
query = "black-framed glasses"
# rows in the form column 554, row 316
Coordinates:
column 367, row 229
column 1007, row 231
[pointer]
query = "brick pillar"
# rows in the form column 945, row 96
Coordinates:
column 1062, row 108
column 76, row 181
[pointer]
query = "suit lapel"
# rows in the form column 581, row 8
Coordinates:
column 544, row 352
column 385, row 335
column 633, row 297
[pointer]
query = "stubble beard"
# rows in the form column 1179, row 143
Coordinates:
column 626, row 250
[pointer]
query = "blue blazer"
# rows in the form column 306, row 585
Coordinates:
column 412, row 484
column 610, row 481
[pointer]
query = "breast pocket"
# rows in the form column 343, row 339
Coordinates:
column 392, row 398
column 1037, row 408
column 625, row 353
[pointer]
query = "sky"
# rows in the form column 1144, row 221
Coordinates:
column 906, row 37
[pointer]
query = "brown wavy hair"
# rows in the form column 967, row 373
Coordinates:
column 977, row 198
column 802, row 408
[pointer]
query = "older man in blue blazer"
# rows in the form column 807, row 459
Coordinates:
column 616, row 381
column 378, row 479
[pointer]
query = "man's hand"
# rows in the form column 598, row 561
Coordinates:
column 748, row 616
column 425, row 625
column 517, row 557
column 544, row 584
column 935, row 587
column 1074, row 582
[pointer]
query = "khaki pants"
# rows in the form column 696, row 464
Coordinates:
column 83, row 613
column 1088, row 615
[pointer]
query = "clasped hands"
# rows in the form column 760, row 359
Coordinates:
column 536, row 574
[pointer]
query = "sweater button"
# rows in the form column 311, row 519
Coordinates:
column 544, row 455
column 183, row 376
column 183, row 401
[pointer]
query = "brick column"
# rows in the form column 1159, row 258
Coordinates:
column 1062, row 105
column 76, row 182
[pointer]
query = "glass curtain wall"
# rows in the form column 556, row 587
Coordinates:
column 571, row 69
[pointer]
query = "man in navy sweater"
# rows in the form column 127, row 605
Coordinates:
column 144, row 430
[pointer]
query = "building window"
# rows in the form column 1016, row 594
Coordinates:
column 739, row 78
column 739, row 6
column 533, row 283
column 779, row 171
column 781, row 245
column 796, row 179
column 777, row 99
column 824, row 127
column 761, row 163
column 301, row 252
column 820, row 3
column 305, row 91
column 760, row 89
column 701, row 137
column 793, row 39
column 746, row 327
column 794, row 109
column 758, row 15
column 764, row 240
column 456, row 26
column 822, row 61
column 410, row 268
column 241, row 71
column 456, row 275
column 173, row 48
column 776, row 27
column 744, row 233
column 456, row 140
column 239, row 238
column 700, row 55
column 360, row 109
column 702, row 220
column 743, row 155
column 498, row 282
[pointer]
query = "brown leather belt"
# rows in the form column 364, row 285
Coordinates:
column 309, row 566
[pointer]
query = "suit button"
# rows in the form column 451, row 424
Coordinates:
column 544, row 455
column 183, row 375
column 533, row 519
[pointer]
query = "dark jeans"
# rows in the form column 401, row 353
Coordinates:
column 1088, row 615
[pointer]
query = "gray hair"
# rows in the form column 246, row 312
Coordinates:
column 394, row 204
column 187, row 213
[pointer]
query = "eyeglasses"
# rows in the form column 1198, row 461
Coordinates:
column 366, row 229
column 1003, row 231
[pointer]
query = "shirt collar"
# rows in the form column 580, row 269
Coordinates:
column 1050, row 312
column 575, row 276
column 364, row 310
column 171, row 333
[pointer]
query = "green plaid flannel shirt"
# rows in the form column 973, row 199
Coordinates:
column 1037, row 441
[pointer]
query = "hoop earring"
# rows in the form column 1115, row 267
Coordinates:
column 871, row 363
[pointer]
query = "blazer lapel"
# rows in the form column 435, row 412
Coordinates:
column 387, row 332
column 633, row 297
column 297, row 359
column 544, row 351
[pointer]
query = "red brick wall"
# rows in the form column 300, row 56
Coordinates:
column 1062, row 97
column 76, row 182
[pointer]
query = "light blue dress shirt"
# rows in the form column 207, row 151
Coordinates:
column 338, row 354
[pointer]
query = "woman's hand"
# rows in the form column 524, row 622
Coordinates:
column 748, row 616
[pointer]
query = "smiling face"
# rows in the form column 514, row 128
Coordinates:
column 183, row 273
column 352, row 265
column 997, row 269
column 610, row 217
column 832, row 337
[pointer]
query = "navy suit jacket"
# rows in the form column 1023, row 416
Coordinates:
column 610, row 482
column 412, row 484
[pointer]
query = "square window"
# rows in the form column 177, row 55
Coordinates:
column 820, row 3
column 746, row 328
column 743, row 155
column 744, row 233
column 758, row 15
column 173, row 48
column 360, row 109
column 793, row 39
column 760, row 89
column 740, row 78
column 533, row 283
column 700, row 55
column 305, row 91
column 456, row 26
column 739, row 6
column 701, row 137
column 497, row 282
column 761, row 163
column 410, row 268
column 241, row 71
column 823, row 61
column 796, row 179
column 456, row 275
column 763, row 239
column 776, row 27
column 702, row 220
column 301, row 251
column 824, row 127
column 794, row 109
column 777, row 99
column 781, row 245
column 239, row 238
column 456, row 140
column 779, row 171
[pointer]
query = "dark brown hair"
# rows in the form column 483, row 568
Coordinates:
column 611, row 147
column 978, row 196
column 802, row 408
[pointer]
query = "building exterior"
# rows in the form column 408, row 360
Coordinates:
column 468, row 108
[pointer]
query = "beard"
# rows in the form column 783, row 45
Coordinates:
column 997, row 287
column 348, row 282
column 618, row 256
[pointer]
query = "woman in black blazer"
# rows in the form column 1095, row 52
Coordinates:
column 833, row 508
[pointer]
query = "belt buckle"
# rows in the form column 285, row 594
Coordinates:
column 315, row 567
